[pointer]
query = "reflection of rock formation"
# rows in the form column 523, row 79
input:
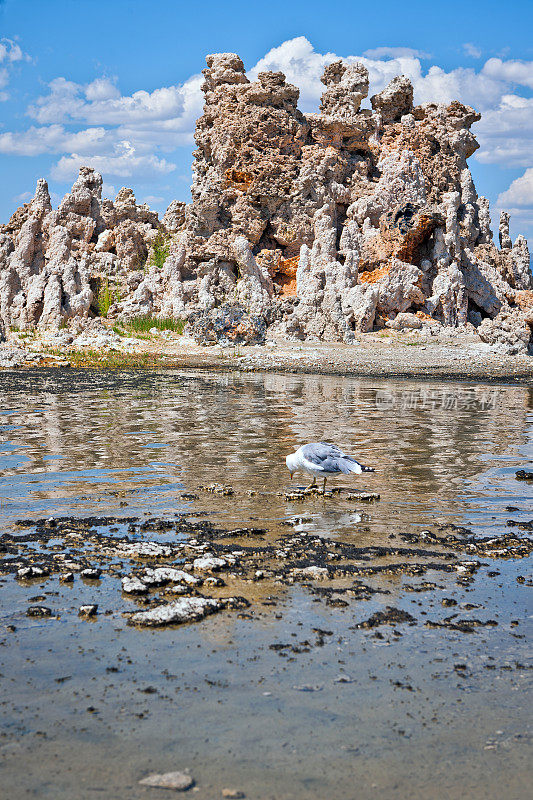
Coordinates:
column 322, row 224
column 239, row 429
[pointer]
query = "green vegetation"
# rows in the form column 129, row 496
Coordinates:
column 109, row 359
column 106, row 297
column 27, row 334
column 139, row 325
column 161, row 249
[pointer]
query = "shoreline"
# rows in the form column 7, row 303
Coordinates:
column 377, row 355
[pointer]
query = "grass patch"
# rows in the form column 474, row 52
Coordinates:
column 96, row 359
column 145, row 324
column 106, row 297
column 160, row 249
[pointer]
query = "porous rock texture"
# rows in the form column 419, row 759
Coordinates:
column 310, row 226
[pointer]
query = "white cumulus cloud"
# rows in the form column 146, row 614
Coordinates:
column 395, row 52
column 471, row 50
column 505, row 132
column 101, row 103
column 520, row 72
column 519, row 193
column 128, row 135
column 10, row 53
column 124, row 162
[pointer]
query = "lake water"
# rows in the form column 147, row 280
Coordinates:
column 289, row 699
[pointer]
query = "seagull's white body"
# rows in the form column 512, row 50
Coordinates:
column 321, row 459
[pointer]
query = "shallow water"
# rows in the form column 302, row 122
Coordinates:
column 89, row 707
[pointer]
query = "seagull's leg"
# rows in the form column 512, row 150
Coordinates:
column 324, row 487
column 311, row 484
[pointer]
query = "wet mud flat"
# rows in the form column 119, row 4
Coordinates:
column 127, row 574
column 170, row 602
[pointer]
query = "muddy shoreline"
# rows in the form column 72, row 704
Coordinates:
column 379, row 355
column 173, row 603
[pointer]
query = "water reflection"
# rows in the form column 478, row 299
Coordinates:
column 69, row 435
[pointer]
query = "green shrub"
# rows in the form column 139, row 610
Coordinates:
column 146, row 323
column 160, row 249
column 106, row 297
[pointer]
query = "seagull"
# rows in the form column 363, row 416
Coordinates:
column 321, row 459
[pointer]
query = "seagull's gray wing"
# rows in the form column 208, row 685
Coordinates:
column 329, row 458
column 325, row 457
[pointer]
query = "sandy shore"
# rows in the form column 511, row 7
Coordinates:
column 381, row 354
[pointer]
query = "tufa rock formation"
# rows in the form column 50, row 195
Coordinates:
column 314, row 226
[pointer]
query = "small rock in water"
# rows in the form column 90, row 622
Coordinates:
column 67, row 577
column 214, row 581
column 25, row 573
column 217, row 488
column 38, row 611
column 209, row 563
column 366, row 497
column 177, row 589
column 234, row 794
column 145, row 550
column 91, row 574
column 169, row 780
column 523, row 475
column 163, row 575
column 186, row 609
column 306, row 687
column 133, row 585
column 315, row 573
column 88, row 610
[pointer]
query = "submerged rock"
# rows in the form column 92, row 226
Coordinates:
column 391, row 616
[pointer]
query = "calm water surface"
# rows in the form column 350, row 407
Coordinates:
column 89, row 707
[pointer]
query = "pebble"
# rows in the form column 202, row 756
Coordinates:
column 38, row 611
column 315, row 573
column 180, row 781
column 234, row 794
column 91, row 574
column 133, row 585
column 32, row 572
column 162, row 575
column 185, row 609
column 89, row 610
column 145, row 550
column 344, row 679
column 209, row 563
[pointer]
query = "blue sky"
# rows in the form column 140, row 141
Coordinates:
column 115, row 83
